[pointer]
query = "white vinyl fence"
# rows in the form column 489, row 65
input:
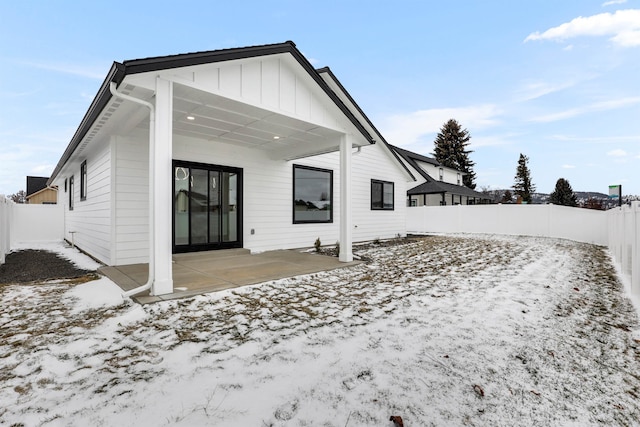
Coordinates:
column 617, row 228
column 23, row 224
column 5, row 220
column 624, row 241
column 582, row 225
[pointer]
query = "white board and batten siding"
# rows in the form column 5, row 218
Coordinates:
column 90, row 219
column 274, row 83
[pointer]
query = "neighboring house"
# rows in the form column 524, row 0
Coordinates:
column 39, row 193
column 445, row 189
column 246, row 147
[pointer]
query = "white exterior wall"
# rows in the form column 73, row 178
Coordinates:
column 90, row 220
column 373, row 162
column 131, row 199
column 449, row 175
column 268, row 194
column 430, row 199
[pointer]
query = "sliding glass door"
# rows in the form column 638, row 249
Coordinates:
column 207, row 207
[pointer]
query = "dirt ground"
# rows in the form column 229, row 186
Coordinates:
column 30, row 265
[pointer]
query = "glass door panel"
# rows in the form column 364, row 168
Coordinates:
column 207, row 207
column 181, row 206
column 229, row 207
column 199, row 204
column 214, row 207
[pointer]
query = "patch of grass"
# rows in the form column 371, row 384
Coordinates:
column 43, row 382
column 22, row 389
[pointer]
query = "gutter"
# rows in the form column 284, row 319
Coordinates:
column 113, row 88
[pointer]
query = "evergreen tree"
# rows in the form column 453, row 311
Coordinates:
column 522, row 185
column 451, row 151
column 563, row 194
column 507, row 197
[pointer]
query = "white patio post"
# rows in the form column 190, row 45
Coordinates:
column 161, row 170
column 346, row 219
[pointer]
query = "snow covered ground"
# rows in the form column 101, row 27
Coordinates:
column 474, row 330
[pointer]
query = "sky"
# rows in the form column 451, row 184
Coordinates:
column 557, row 81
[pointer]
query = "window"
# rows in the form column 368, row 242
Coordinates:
column 65, row 185
column 441, row 174
column 381, row 195
column 413, row 203
column 312, row 195
column 459, row 180
column 83, row 181
column 71, row 193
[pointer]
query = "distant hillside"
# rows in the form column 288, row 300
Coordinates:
column 581, row 196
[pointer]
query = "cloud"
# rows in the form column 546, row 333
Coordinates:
column 91, row 72
column 494, row 140
column 596, row 139
column 568, row 167
column 597, row 106
column 42, row 169
column 612, row 2
column 617, row 153
column 623, row 26
column 533, row 90
column 414, row 127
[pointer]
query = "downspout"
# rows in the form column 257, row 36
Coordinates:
column 113, row 87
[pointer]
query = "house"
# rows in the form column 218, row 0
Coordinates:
column 39, row 193
column 447, row 189
column 245, row 147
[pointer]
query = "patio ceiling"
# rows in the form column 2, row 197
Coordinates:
column 211, row 117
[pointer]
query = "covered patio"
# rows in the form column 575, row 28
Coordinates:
column 202, row 272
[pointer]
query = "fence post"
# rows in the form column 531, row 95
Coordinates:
column 5, row 228
column 635, row 256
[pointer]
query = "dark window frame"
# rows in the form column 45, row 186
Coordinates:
column 83, row 181
column 194, row 247
column 71, row 193
column 293, row 196
column 393, row 194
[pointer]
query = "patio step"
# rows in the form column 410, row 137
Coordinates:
column 222, row 253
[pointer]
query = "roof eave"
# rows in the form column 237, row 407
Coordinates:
column 118, row 72
column 369, row 122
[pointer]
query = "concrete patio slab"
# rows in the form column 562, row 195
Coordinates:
column 202, row 272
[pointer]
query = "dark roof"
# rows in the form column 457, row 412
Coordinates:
column 435, row 187
column 406, row 154
column 410, row 157
column 119, row 71
column 36, row 183
column 328, row 71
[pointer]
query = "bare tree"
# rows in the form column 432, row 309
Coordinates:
column 19, row 197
